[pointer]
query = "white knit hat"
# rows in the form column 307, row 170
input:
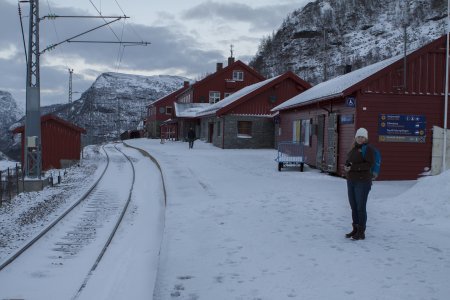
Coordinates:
column 362, row 132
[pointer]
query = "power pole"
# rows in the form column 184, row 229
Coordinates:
column 32, row 139
column 32, row 151
column 70, row 85
column 325, row 57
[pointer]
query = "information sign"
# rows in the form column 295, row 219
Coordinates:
column 401, row 128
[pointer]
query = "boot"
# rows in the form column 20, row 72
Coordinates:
column 360, row 233
column 350, row 234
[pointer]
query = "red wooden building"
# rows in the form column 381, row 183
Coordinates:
column 160, row 111
column 211, row 89
column 61, row 140
column 244, row 119
column 399, row 114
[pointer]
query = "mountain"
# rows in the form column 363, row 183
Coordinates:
column 9, row 113
column 114, row 103
column 327, row 37
column 117, row 102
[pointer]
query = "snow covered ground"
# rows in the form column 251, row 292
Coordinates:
column 236, row 228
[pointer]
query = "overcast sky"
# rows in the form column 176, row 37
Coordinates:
column 187, row 39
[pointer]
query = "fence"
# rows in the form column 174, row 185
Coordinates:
column 9, row 183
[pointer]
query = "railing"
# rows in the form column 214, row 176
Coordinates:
column 290, row 154
column 9, row 183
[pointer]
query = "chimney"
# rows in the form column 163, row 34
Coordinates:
column 348, row 69
column 186, row 84
column 219, row 66
column 230, row 60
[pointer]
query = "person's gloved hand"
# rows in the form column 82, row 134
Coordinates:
column 347, row 166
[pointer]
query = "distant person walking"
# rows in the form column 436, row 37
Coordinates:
column 360, row 160
column 191, row 137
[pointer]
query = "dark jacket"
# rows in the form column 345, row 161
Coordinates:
column 191, row 135
column 360, row 166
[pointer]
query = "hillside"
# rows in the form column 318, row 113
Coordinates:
column 114, row 103
column 321, row 40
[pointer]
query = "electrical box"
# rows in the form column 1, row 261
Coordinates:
column 32, row 141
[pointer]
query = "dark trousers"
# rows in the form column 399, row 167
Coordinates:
column 191, row 144
column 358, row 191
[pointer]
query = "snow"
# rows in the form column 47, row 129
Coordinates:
column 236, row 228
column 336, row 86
column 234, row 97
column 5, row 164
column 189, row 110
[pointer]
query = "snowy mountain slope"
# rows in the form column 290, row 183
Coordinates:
column 318, row 41
column 9, row 113
column 114, row 103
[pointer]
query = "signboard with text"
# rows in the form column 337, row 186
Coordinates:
column 401, row 128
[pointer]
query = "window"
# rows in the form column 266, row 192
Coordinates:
column 238, row 75
column 168, row 110
column 218, row 128
column 301, row 131
column 214, row 97
column 162, row 110
column 244, row 129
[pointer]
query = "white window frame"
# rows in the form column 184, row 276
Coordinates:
column 168, row 110
column 238, row 75
column 214, row 97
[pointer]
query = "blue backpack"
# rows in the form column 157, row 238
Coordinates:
column 375, row 170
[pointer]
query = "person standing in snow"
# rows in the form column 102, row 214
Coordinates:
column 191, row 137
column 359, row 182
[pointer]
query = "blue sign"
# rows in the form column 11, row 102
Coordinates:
column 350, row 102
column 347, row 119
column 401, row 128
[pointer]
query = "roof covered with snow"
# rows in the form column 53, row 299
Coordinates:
column 189, row 110
column 234, row 97
column 336, row 86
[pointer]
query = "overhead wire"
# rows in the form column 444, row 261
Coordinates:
column 117, row 37
column 131, row 26
column 100, row 14
column 57, row 36
column 23, row 34
column 120, row 50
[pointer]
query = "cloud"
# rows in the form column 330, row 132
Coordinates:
column 172, row 52
column 261, row 18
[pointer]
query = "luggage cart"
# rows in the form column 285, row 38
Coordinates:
column 290, row 154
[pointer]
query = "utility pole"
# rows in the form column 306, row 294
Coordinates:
column 118, row 119
column 325, row 58
column 70, row 85
column 32, row 139
column 32, row 151
column 444, row 144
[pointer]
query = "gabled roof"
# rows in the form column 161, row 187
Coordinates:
column 248, row 92
column 345, row 85
column 234, row 65
column 336, row 86
column 169, row 96
column 49, row 117
column 188, row 110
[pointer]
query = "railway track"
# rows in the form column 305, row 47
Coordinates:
column 74, row 244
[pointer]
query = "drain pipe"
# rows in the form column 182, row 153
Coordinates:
column 444, row 150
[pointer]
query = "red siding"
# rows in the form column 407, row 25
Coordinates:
column 60, row 140
column 346, row 131
column 261, row 103
column 221, row 81
column 401, row 160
